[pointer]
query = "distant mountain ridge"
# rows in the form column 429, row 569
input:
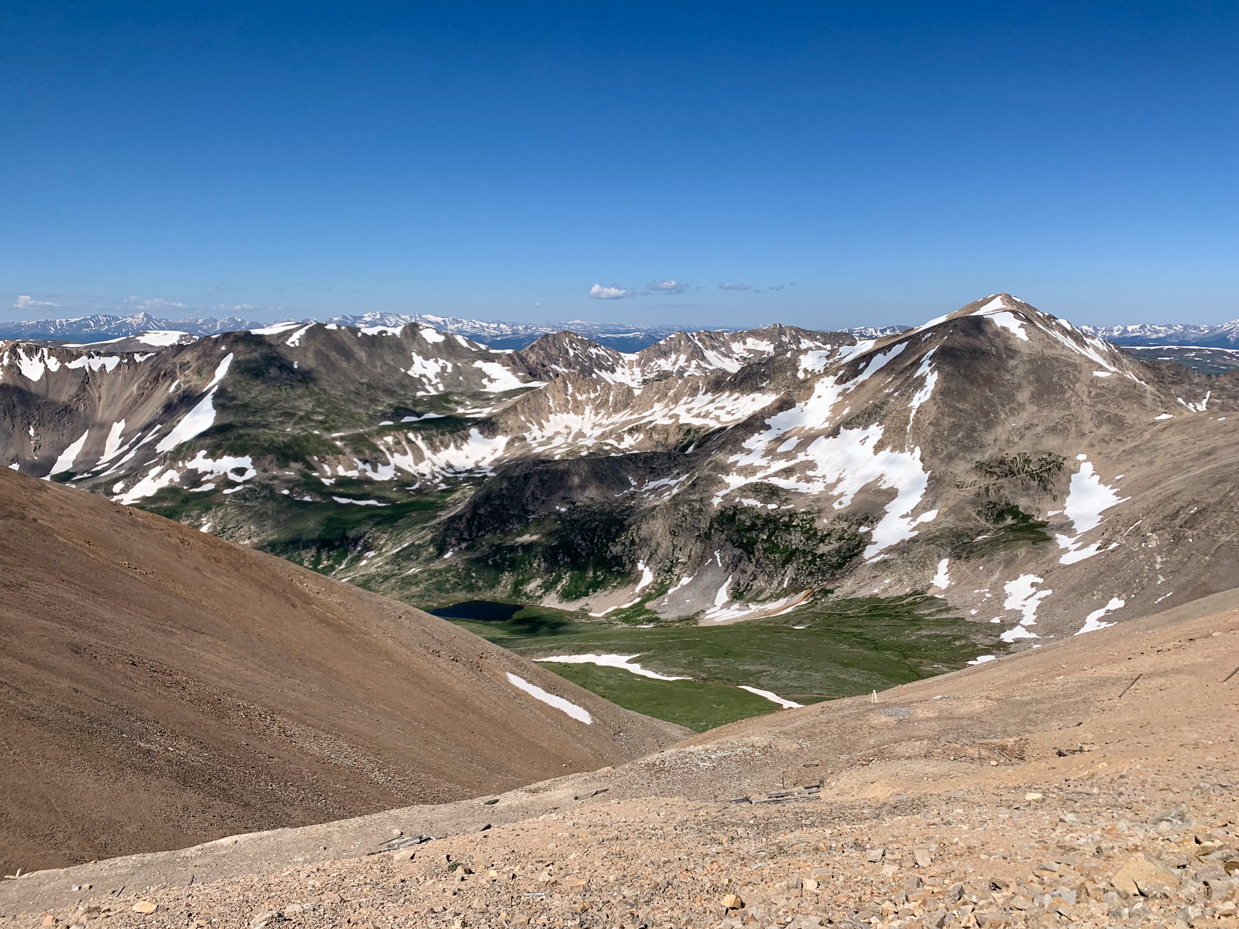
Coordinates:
column 502, row 334
column 496, row 334
column 1224, row 335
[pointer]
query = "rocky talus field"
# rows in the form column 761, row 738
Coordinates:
column 1090, row 782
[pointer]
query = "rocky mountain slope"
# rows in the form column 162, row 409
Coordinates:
column 1037, row 478
column 161, row 687
column 1087, row 783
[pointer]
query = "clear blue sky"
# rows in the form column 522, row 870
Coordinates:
column 878, row 161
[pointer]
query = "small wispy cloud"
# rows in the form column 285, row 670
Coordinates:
column 27, row 302
column 614, row 292
column 734, row 287
column 666, row 287
column 145, row 304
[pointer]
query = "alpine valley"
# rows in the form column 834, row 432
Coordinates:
column 995, row 472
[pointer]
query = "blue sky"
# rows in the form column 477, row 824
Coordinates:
column 823, row 164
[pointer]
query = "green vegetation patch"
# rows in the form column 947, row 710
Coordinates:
column 699, row 705
column 825, row 650
column 790, row 545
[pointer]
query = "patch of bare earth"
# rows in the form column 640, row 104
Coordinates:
column 1086, row 783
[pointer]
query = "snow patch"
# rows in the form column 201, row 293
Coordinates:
column 559, row 703
column 294, row 340
column 772, row 697
column 1087, row 499
column 500, row 378
column 1022, row 595
column 68, row 456
column 154, row 481
column 359, row 502
column 159, row 338
column 1008, row 321
column 211, row 468
column 277, row 328
column 196, row 421
column 623, row 662
column 1092, row 622
column 942, row 580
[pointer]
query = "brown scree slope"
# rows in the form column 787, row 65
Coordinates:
column 160, row 687
column 1091, row 782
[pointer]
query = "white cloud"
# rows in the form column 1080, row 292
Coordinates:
column 734, row 287
column 537, row 305
column 25, row 302
column 154, row 303
column 667, row 287
column 598, row 292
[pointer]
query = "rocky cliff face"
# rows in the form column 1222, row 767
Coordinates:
column 1033, row 475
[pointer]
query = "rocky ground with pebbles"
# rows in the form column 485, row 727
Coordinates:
column 1087, row 783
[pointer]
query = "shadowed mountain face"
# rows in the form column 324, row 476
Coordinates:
column 1034, row 476
column 161, row 687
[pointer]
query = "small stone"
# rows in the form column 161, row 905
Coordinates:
column 1032, row 795
column 993, row 918
column 145, row 907
column 874, row 855
column 923, row 857
column 1136, row 871
column 809, row 884
column 262, row 919
column 732, row 902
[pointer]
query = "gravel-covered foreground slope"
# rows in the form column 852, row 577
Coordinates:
column 1035, row 477
column 1088, row 783
column 160, row 687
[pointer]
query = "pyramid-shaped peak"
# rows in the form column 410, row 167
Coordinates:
column 996, row 303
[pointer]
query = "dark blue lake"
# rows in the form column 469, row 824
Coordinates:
column 483, row 611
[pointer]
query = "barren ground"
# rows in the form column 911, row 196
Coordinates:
column 1090, row 782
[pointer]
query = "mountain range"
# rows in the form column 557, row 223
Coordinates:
column 494, row 334
column 509, row 335
column 1028, row 474
column 1224, row 335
